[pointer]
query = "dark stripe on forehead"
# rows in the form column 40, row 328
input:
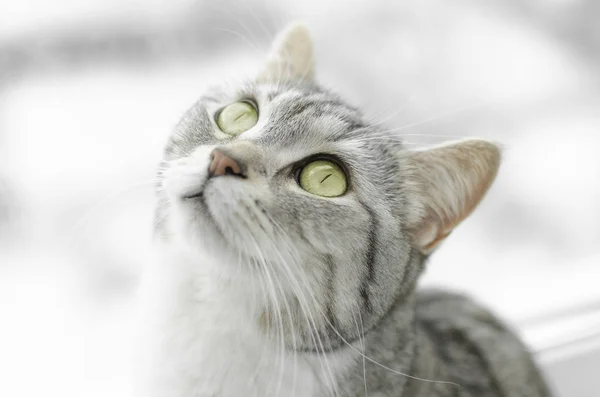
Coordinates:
column 298, row 108
column 330, row 105
column 271, row 95
column 351, row 125
column 316, row 97
column 290, row 121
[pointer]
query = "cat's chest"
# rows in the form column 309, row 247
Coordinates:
column 200, row 342
column 226, row 363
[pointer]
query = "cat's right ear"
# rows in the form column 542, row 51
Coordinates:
column 291, row 58
column 445, row 184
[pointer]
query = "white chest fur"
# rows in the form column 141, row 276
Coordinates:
column 200, row 336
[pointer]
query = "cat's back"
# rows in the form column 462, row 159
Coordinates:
column 475, row 349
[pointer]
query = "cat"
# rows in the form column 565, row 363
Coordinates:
column 290, row 234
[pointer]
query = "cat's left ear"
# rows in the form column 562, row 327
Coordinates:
column 291, row 58
column 445, row 184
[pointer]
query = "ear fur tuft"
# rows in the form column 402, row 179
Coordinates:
column 291, row 58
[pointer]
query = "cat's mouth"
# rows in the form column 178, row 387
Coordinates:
column 199, row 192
column 196, row 195
column 239, row 216
column 199, row 197
column 222, row 206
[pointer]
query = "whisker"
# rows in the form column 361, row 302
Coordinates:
column 239, row 35
column 273, row 282
column 308, row 314
column 257, row 215
column 360, row 332
column 81, row 222
column 385, row 367
column 425, row 121
column 365, row 357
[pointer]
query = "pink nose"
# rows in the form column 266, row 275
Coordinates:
column 222, row 164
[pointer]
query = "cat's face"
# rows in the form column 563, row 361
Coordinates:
column 283, row 181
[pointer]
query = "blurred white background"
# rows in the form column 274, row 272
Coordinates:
column 90, row 90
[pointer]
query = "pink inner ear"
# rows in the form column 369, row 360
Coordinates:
column 449, row 183
column 431, row 234
column 431, row 246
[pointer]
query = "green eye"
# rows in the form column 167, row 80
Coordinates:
column 323, row 178
column 236, row 118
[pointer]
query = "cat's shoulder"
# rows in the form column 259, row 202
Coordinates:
column 479, row 350
column 441, row 306
column 452, row 317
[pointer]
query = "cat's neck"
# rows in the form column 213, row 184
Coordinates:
column 203, row 335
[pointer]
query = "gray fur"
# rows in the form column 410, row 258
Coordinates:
column 353, row 257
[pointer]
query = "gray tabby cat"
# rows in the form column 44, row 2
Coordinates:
column 290, row 236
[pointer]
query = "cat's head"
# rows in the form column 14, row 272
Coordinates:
column 283, row 181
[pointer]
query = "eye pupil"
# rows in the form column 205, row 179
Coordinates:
column 324, row 179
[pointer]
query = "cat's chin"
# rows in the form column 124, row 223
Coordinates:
column 201, row 237
column 226, row 218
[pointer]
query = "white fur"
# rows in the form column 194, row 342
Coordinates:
column 200, row 318
column 200, row 335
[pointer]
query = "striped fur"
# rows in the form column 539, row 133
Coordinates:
column 262, row 289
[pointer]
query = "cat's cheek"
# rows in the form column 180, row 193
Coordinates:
column 179, row 218
column 186, row 176
column 184, row 182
